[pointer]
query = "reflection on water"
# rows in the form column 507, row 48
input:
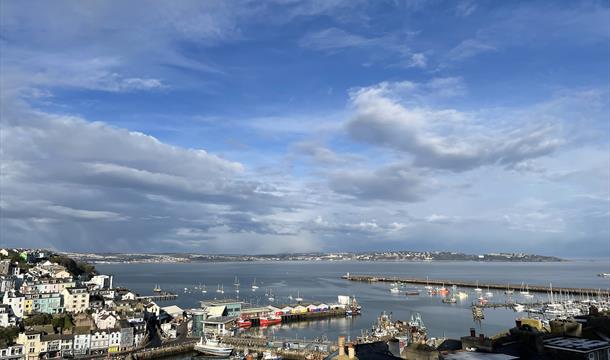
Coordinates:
column 320, row 282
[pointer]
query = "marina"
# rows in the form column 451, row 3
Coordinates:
column 477, row 285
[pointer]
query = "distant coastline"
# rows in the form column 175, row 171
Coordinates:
column 390, row 256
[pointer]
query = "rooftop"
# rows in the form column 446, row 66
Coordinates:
column 576, row 344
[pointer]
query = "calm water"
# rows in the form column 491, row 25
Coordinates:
column 321, row 282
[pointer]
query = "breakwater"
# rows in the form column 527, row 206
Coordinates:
column 472, row 284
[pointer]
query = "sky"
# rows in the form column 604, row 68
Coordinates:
column 278, row 126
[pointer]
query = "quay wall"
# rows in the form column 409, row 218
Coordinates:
column 471, row 284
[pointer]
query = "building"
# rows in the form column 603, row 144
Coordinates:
column 100, row 340
column 7, row 318
column 82, row 341
column 198, row 319
column 114, row 340
column 100, row 282
column 15, row 301
column 76, row 299
column 222, row 307
column 126, row 341
column 218, row 325
column 14, row 352
column 44, row 303
column 560, row 348
column 32, row 345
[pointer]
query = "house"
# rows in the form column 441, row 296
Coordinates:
column 139, row 332
column 126, row 340
column 114, row 340
column 100, row 282
column 15, row 301
column 99, row 342
column 45, row 303
column 129, row 296
column 3, row 252
column 82, row 340
column 152, row 308
column 105, row 320
column 76, row 299
column 31, row 344
column 226, row 307
column 7, row 318
column 13, row 352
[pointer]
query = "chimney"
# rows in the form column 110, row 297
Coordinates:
column 351, row 352
column 473, row 332
column 481, row 338
column 341, row 345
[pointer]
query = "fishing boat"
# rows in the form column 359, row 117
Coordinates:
column 270, row 320
column 478, row 289
column 213, row 347
column 254, row 286
column 244, row 323
column 443, row 291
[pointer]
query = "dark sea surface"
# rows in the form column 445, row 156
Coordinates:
column 321, row 282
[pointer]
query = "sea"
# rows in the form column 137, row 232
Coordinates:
column 320, row 281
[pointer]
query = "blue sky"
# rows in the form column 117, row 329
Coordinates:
column 245, row 126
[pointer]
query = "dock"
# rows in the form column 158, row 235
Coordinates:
column 472, row 284
column 159, row 296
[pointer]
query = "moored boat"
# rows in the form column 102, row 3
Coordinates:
column 270, row 320
column 213, row 347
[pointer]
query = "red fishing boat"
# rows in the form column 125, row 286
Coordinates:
column 244, row 323
column 270, row 320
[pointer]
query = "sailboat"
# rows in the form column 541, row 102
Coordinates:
column 508, row 290
column 203, row 289
column 254, row 287
column 236, row 283
column 489, row 293
column 478, row 289
column 298, row 298
column 270, row 296
column 428, row 287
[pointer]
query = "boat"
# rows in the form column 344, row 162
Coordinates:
column 213, row 347
column 244, row 323
column 298, row 298
column 604, row 275
column 428, row 286
column 483, row 300
column 449, row 300
column 508, row 290
column 203, row 289
column 489, row 293
column 462, row 295
column 519, row 307
column 443, row 291
column 270, row 320
column 478, row 289
column 524, row 290
column 221, row 289
column 254, row 286
column 270, row 296
column 412, row 292
column 394, row 290
column 157, row 288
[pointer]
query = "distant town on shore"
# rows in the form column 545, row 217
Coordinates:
column 330, row 256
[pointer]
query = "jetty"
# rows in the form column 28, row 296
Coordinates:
column 159, row 296
column 472, row 284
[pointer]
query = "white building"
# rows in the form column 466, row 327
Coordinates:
column 82, row 343
column 16, row 302
column 76, row 299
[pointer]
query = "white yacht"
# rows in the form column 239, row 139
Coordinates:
column 254, row 286
column 213, row 347
column 478, row 289
column 298, row 298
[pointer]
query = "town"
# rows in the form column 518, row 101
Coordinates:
column 56, row 307
column 333, row 256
